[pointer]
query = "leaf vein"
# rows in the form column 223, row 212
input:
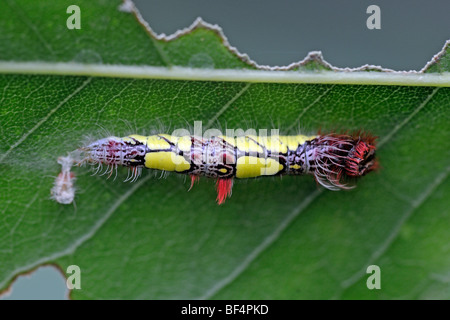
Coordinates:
column 227, row 105
column 81, row 240
column 271, row 238
column 43, row 120
column 408, row 118
column 395, row 231
column 32, row 26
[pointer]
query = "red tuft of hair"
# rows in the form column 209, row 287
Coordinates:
column 223, row 187
column 194, row 179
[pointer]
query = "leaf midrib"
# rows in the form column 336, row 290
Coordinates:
column 400, row 78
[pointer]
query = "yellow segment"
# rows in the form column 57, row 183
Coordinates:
column 185, row 143
column 229, row 140
column 137, row 137
column 292, row 142
column 157, row 143
column 248, row 144
column 250, row 167
column 273, row 144
column 168, row 161
column 173, row 139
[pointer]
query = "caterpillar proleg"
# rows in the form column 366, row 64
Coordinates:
column 333, row 159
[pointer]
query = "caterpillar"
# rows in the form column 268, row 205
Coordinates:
column 333, row 159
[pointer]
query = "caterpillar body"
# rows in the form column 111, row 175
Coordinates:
column 332, row 158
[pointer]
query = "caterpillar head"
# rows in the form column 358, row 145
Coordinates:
column 343, row 157
column 361, row 159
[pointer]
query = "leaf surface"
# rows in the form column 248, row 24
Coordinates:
column 275, row 238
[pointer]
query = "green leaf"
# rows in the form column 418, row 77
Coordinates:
column 275, row 238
